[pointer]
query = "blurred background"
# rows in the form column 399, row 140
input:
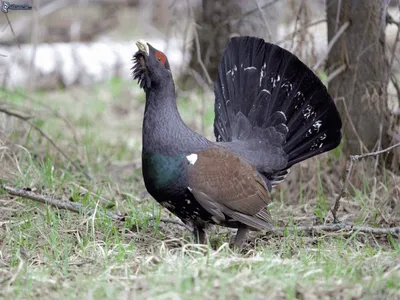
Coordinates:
column 69, row 105
column 70, row 129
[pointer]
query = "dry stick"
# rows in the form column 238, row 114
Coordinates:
column 206, row 74
column 290, row 36
column 199, row 60
column 13, row 32
column 358, row 157
column 269, row 36
column 354, row 158
column 335, row 73
column 73, row 206
column 26, row 119
column 55, row 201
column 332, row 42
column 235, row 18
column 338, row 227
column 77, row 208
column 248, row 13
column 342, row 191
column 295, row 23
column 50, row 109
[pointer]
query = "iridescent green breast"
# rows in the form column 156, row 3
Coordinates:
column 162, row 172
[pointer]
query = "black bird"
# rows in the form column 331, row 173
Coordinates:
column 271, row 112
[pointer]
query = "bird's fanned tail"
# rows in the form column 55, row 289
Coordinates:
column 267, row 97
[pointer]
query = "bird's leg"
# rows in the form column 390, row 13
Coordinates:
column 240, row 237
column 199, row 234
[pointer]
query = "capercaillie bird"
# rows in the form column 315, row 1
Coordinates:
column 271, row 112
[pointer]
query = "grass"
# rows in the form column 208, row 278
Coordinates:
column 53, row 254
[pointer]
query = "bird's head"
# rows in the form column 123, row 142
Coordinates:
column 150, row 67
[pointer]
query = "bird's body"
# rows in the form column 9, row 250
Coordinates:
column 271, row 112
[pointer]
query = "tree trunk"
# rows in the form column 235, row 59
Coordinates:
column 213, row 34
column 363, row 84
column 219, row 20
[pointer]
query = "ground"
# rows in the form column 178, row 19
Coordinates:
column 56, row 254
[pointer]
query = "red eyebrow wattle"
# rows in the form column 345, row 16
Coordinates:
column 161, row 56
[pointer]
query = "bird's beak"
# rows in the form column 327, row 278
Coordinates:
column 143, row 46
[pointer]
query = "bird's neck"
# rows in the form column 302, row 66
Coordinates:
column 164, row 131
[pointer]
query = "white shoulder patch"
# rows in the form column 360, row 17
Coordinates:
column 192, row 158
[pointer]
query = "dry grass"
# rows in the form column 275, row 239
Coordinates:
column 53, row 254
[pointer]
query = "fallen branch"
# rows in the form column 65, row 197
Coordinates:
column 354, row 158
column 56, row 202
column 37, row 128
column 337, row 227
column 77, row 208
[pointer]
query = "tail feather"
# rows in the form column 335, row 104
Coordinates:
column 264, row 92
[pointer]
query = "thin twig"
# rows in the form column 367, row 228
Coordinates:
column 248, row 13
column 338, row 15
column 199, row 60
column 12, row 31
column 332, row 42
column 338, row 227
column 55, row 201
column 14, row 114
column 358, row 157
column 25, row 119
column 335, row 73
column 55, row 112
column 354, row 158
column 296, row 22
column 269, row 36
column 342, row 191
column 77, row 208
column 291, row 35
column 34, row 42
column 379, row 147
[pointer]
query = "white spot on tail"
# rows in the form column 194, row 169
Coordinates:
column 262, row 73
column 282, row 114
column 192, row 158
column 190, row 189
column 317, row 125
column 264, row 90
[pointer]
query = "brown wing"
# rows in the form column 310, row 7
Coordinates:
column 225, row 184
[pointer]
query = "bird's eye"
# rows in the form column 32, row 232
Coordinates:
column 161, row 57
